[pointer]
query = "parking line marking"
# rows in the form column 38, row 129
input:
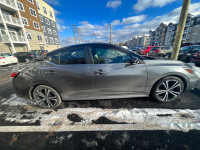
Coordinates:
column 67, row 128
column 99, row 127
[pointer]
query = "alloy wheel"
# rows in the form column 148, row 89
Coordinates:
column 168, row 90
column 46, row 97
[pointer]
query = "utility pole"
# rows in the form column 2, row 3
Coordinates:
column 74, row 33
column 180, row 30
column 78, row 30
column 110, row 33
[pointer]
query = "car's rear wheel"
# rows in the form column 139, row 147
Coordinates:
column 168, row 89
column 46, row 97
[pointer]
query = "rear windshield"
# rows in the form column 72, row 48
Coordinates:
column 154, row 48
column 5, row 54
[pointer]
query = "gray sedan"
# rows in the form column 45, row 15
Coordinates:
column 100, row 71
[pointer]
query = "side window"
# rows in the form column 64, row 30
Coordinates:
column 109, row 56
column 74, row 56
column 54, row 58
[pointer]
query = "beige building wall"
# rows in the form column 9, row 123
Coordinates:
column 35, row 44
column 8, row 48
column 52, row 47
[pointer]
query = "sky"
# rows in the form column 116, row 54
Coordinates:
column 129, row 18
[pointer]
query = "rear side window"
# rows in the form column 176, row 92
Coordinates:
column 72, row 56
column 54, row 58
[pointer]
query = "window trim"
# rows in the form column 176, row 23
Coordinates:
column 34, row 10
column 30, row 35
column 41, row 18
column 31, row 2
column 26, row 20
column 22, row 5
column 38, row 5
column 38, row 38
column 34, row 25
column 45, row 9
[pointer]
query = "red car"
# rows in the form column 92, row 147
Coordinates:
column 149, row 49
column 196, row 58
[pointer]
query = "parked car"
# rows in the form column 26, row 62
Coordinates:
column 40, row 52
column 162, row 51
column 148, row 49
column 100, row 71
column 7, row 58
column 185, row 53
column 196, row 58
column 25, row 56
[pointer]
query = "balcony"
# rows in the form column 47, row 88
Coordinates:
column 8, row 5
column 12, row 21
column 15, row 39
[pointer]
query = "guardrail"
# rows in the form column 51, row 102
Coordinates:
column 11, row 19
column 10, row 3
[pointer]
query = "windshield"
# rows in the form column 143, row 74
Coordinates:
column 5, row 54
column 187, row 48
column 154, row 48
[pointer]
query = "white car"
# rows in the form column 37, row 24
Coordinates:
column 7, row 58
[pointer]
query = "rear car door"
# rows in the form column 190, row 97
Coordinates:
column 70, row 73
column 113, row 75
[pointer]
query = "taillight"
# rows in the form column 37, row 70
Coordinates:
column 31, row 55
column 14, row 56
column 2, row 57
column 14, row 75
column 157, row 51
column 195, row 54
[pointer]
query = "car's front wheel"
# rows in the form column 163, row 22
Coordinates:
column 168, row 89
column 46, row 97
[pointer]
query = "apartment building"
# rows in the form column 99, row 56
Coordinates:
column 170, row 34
column 194, row 30
column 160, row 34
column 32, row 24
column 139, row 41
column 144, row 40
column 12, row 32
column 48, row 23
column 152, row 35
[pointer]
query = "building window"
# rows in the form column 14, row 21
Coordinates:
column 20, row 6
column 51, row 40
column 39, row 38
column 28, row 34
column 45, row 10
column 41, row 18
column 33, row 12
column 38, row 6
column 41, row 47
column 44, row 28
column 53, row 24
column 46, row 39
column 47, row 21
column 54, row 32
column 31, row 1
column 25, row 21
column 56, row 40
column 49, row 30
column 36, row 25
column 51, row 14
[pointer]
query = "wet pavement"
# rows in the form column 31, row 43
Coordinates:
column 15, row 111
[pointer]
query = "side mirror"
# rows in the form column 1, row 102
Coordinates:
column 134, row 61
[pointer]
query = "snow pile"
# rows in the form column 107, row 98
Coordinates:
column 166, row 119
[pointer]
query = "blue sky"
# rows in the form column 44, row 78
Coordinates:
column 128, row 17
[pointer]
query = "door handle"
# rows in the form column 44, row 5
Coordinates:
column 51, row 72
column 99, row 72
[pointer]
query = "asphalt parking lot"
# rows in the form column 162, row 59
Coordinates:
column 102, row 124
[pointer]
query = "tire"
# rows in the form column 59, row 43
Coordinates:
column 46, row 97
column 168, row 89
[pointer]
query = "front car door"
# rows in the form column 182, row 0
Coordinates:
column 69, row 71
column 113, row 75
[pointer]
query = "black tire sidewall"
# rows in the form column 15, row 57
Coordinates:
column 153, row 93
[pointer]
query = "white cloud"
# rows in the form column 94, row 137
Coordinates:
column 133, row 19
column 113, row 4
column 144, row 4
column 53, row 2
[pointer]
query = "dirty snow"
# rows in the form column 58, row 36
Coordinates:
column 166, row 119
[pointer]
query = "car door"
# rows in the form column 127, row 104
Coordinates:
column 70, row 72
column 113, row 75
